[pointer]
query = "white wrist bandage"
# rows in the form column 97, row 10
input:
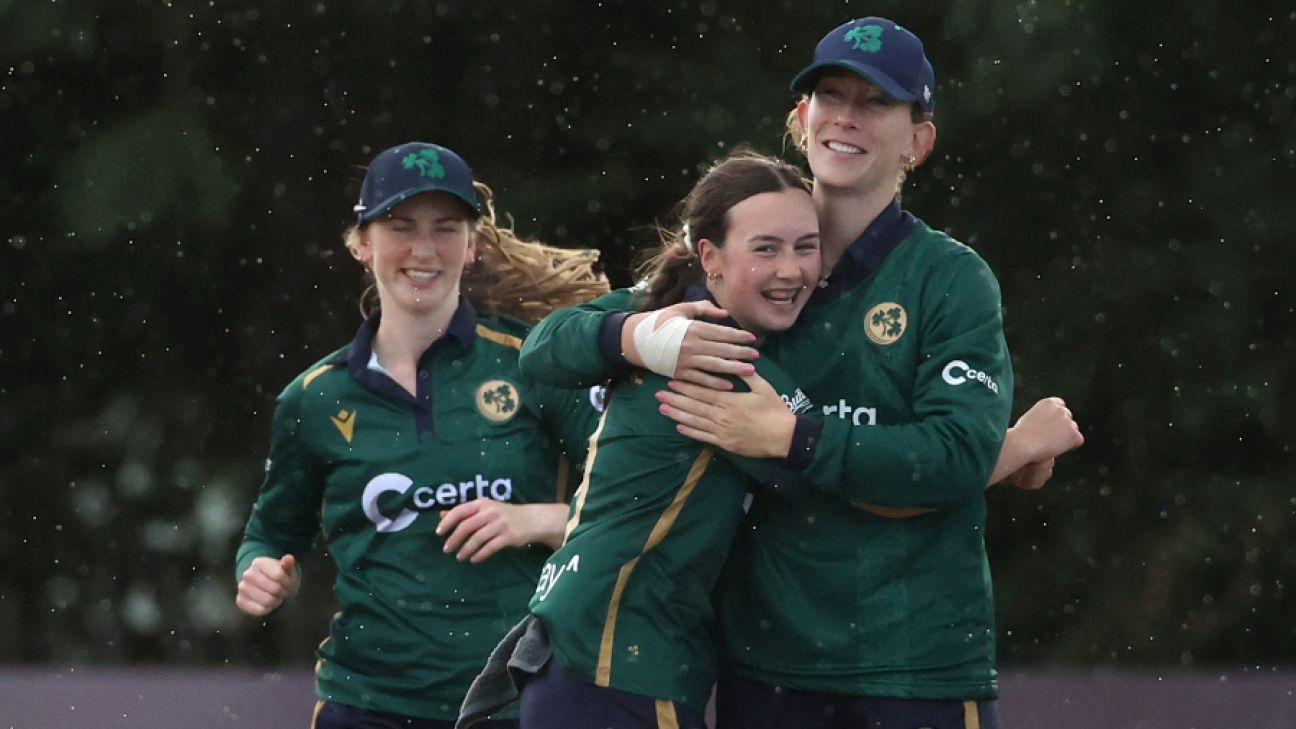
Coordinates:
column 659, row 346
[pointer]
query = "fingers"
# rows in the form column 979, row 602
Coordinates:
column 758, row 384
column 1038, row 475
column 721, row 335
column 699, row 435
column 264, row 585
column 699, row 309
column 681, row 391
column 685, row 418
column 464, row 529
column 450, row 519
column 702, row 378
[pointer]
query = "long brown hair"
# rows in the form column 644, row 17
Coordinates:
column 519, row 278
column 704, row 213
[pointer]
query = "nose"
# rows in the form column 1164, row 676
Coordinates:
column 845, row 115
column 424, row 244
column 787, row 268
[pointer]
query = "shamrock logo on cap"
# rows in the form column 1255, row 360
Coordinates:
column 427, row 161
column 866, row 38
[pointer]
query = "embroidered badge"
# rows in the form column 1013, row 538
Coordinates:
column 427, row 161
column 497, row 401
column 885, row 323
column 867, row 38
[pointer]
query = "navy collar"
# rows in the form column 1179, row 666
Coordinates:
column 461, row 332
column 865, row 256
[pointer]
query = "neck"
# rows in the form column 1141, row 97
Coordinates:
column 737, row 316
column 843, row 217
column 403, row 337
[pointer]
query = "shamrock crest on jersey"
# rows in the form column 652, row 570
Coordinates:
column 866, row 38
column 427, row 161
column 497, row 400
column 885, row 323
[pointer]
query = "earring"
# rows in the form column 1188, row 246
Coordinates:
column 713, row 276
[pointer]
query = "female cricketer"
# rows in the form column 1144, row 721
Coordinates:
column 834, row 616
column 431, row 464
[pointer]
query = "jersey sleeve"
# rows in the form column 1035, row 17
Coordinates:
column 565, row 348
column 962, row 396
column 569, row 416
column 286, row 516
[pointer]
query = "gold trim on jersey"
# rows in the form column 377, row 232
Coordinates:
column 666, row 718
column 578, row 499
column 310, row 377
column 319, row 707
column 490, row 335
column 892, row 512
column 971, row 717
column 603, row 672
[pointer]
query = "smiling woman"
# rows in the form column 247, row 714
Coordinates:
column 421, row 433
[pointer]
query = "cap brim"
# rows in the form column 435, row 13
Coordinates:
column 804, row 81
column 366, row 216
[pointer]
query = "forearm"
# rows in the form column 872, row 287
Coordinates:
column 547, row 523
column 928, row 463
column 1014, row 455
column 565, row 350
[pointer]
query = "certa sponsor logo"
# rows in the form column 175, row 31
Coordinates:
column 857, row 414
column 957, row 372
column 427, row 498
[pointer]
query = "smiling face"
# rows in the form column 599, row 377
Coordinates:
column 858, row 138
column 417, row 252
column 769, row 261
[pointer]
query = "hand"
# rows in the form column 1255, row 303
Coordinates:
column 266, row 583
column 707, row 350
column 756, row 424
column 1032, row 476
column 1047, row 430
column 478, row 529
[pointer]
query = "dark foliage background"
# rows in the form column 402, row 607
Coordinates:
column 176, row 176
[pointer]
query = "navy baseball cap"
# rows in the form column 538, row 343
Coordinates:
column 886, row 54
column 408, row 169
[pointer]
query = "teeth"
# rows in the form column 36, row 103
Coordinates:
column 781, row 297
column 843, row 147
column 421, row 275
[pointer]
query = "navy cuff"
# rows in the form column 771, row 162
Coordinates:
column 805, row 441
column 610, row 338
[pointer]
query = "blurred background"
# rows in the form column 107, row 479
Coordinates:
column 175, row 177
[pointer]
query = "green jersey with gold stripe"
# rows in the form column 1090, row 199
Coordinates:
column 828, row 590
column 373, row 465
column 626, row 601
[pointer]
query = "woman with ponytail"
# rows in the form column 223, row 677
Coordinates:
column 436, row 471
column 625, row 602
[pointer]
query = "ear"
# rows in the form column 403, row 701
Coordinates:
column 710, row 254
column 924, row 141
column 471, row 255
column 363, row 249
column 802, row 111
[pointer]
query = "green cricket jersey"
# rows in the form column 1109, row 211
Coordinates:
column 355, row 453
column 626, row 601
column 905, row 356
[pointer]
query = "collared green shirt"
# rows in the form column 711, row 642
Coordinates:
column 626, row 601
column 372, row 465
column 910, row 372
